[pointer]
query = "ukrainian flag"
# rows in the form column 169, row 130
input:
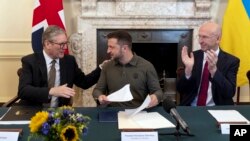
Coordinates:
column 236, row 35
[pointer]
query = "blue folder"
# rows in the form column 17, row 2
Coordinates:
column 108, row 116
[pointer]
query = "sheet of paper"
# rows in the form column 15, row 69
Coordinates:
column 14, row 122
column 143, row 120
column 122, row 95
column 9, row 136
column 132, row 112
column 228, row 116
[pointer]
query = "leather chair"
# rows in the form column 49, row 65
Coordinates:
column 248, row 77
column 15, row 98
column 179, row 72
column 238, row 89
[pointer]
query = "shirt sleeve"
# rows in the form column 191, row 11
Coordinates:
column 100, row 87
column 153, row 83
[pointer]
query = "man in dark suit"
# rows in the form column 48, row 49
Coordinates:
column 33, row 82
column 221, row 71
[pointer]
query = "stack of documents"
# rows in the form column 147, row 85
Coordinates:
column 138, row 119
column 143, row 120
column 134, row 119
column 228, row 117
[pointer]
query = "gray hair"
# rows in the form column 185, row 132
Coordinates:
column 52, row 31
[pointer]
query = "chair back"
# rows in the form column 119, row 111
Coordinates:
column 238, row 88
column 179, row 72
column 13, row 100
column 248, row 76
column 19, row 72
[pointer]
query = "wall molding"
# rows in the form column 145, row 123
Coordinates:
column 16, row 56
column 17, row 40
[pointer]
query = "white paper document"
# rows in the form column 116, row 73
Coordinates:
column 122, row 95
column 143, row 120
column 14, row 122
column 132, row 112
column 228, row 116
column 9, row 136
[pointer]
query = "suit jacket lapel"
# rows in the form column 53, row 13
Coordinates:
column 199, row 66
column 42, row 66
column 63, row 71
column 221, row 60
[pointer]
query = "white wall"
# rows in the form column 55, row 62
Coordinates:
column 15, row 25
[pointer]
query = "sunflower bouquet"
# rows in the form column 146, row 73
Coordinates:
column 60, row 124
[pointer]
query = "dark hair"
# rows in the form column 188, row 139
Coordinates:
column 52, row 31
column 123, row 37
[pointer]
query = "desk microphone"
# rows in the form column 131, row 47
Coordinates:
column 170, row 107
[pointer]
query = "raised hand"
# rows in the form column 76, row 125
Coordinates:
column 187, row 60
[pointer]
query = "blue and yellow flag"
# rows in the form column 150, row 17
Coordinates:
column 236, row 35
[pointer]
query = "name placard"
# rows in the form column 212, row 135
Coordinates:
column 9, row 136
column 225, row 128
column 139, row 136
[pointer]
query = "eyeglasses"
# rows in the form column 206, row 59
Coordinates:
column 62, row 45
column 204, row 37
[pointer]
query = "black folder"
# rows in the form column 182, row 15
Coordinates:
column 17, row 113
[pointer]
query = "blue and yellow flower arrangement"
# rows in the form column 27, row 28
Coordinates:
column 60, row 124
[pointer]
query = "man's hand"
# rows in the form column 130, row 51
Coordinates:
column 154, row 101
column 103, row 100
column 62, row 91
column 103, row 63
column 187, row 61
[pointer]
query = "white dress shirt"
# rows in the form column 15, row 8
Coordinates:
column 54, row 99
column 210, row 101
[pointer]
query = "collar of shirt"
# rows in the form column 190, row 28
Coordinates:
column 132, row 62
column 205, row 55
column 48, row 59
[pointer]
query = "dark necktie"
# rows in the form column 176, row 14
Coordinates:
column 52, row 74
column 202, row 97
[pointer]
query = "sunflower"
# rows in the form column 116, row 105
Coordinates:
column 69, row 133
column 37, row 121
column 58, row 124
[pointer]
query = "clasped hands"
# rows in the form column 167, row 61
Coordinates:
column 188, row 61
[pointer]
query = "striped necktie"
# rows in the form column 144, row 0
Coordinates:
column 52, row 74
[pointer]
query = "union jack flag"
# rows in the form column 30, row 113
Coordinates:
column 46, row 12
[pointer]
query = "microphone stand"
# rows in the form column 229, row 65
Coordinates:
column 177, row 133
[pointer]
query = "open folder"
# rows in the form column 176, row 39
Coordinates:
column 142, row 121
